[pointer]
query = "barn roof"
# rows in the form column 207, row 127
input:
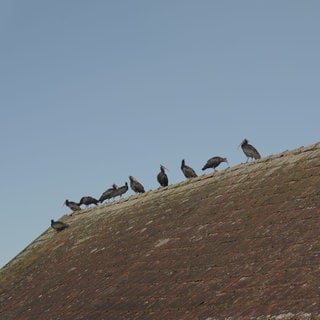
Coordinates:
column 235, row 244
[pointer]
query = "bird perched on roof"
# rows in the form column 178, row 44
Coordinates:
column 72, row 205
column 58, row 225
column 214, row 162
column 135, row 185
column 162, row 177
column 120, row 191
column 187, row 171
column 108, row 194
column 249, row 150
column 88, row 200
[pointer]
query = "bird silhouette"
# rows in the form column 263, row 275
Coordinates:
column 135, row 185
column 88, row 200
column 121, row 190
column 108, row 194
column 162, row 177
column 187, row 171
column 58, row 225
column 72, row 205
column 214, row 162
column 249, row 150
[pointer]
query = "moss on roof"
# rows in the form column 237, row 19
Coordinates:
column 239, row 243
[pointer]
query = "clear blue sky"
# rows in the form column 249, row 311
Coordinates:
column 95, row 91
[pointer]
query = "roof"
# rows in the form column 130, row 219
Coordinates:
column 235, row 244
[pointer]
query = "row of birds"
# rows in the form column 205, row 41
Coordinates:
column 162, row 178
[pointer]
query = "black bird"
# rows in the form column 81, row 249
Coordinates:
column 108, row 194
column 121, row 190
column 249, row 150
column 135, row 185
column 187, row 171
column 72, row 205
column 58, row 225
column 88, row 200
column 214, row 162
column 162, row 177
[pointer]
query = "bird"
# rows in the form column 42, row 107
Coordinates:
column 88, row 200
column 121, row 190
column 72, row 205
column 162, row 177
column 58, row 225
column 249, row 150
column 135, row 185
column 108, row 194
column 187, row 171
column 214, row 162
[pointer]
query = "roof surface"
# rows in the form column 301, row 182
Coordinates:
column 235, row 244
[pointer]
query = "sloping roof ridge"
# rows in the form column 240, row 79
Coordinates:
column 287, row 157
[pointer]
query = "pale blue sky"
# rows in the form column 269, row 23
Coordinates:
column 95, row 91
